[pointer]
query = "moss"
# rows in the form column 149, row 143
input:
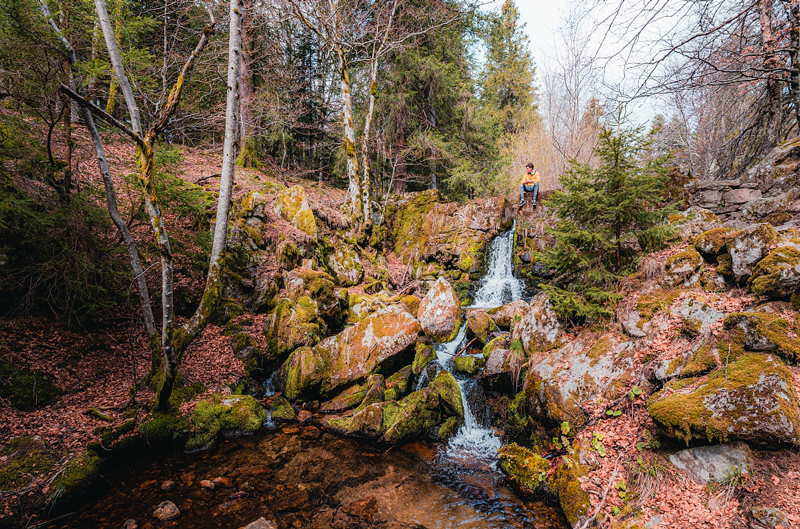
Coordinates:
column 398, row 385
column 411, row 304
column 463, row 291
column 701, row 363
column 225, row 311
column 76, row 480
column 165, row 431
column 600, row 348
column 500, row 341
column 682, row 265
column 725, row 266
column 651, row 302
column 224, row 414
column 526, row 468
column 26, row 389
column 281, row 410
column 449, row 392
column 423, row 355
column 468, row 365
column 738, row 388
column 449, row 428
column 25, row 456
column 766, row 332
column 518, row 423
column 292, row 205
column 94, row 412
column 711, row 242
column 564, row 482
column 301, row 375
column 777, row 275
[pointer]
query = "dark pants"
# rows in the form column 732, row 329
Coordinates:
column 523, row 188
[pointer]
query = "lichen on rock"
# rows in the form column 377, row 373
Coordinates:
column 539, row 329
column 777, row 275
column 749, row 247
column 345, row 264
column 440, row 312
column 480, row 326
column 766, row 332
column 292, row 205
column 682, row 268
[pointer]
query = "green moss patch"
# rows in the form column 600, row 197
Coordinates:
column 767, row 332
column 777, row 275
column 24, row 458
column 468, row 365
column 26, row 389
column 651, row 302
column 231, row 414
column 525, row 467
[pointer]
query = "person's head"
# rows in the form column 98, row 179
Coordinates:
column 529, row 167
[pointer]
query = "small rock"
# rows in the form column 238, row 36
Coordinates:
column 768, row 517
column 304, row 416
column 149, row 484
column 207, row 484
column 223, row 482
column 261, row 523
column 166, row 510
column 713, row 463
column 168, row 485
column 130, row 524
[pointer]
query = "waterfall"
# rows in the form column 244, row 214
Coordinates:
column 499, row 286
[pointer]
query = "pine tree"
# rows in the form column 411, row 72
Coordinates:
column 507, row 90
column 608, row 216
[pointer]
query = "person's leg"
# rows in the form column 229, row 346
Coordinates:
column 521, row 195
column 535, row 193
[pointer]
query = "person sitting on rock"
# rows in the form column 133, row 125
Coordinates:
column 530, row 182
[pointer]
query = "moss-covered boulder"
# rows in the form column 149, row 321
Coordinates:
column 77, row 480
column 468, row 365
column 507, row 315
column 580, row 371
column 751, row 399
column 281, row 410
column 777, row 275
column 416, row 415
column 712, row 243
column 749, row 247
column 291, row 204
column 449, row 428
column 26, row 389
column 565, row 483
column 696, row 316
column 345, row 400
column 694, row 221
column 440, row 312
column 539, row 329
column 411, row 304
column 423, row 355
column 683, row 268
column 373, row 391
column 525, row 468
column 382, row 342
column 702, row 358
column 359, row 307
column 301, row 374
column 500, row 342
column 399, row 384
column 767, row 332
column 345, row 264
column 226, row 415
column 480, row 326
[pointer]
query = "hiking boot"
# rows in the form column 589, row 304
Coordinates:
column 520, row 206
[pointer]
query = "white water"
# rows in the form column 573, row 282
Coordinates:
column 499, row 286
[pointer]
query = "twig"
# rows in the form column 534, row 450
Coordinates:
column 605, row 495
column 465, row 348
column 204, row 178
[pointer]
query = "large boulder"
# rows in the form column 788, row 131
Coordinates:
column 749, row 247
column 683, row 268
column 224, row 414
column 440, row 312
column 712, row 243
column 480, row 326
column 382, row 342
column 751, row 399
column 291, row 204
column 714, row 463
column 345, row 265
column 524, row 467
column 559, row 382
column 507, row 315
column 766, row 332
column 778, row 274
column 539, row 329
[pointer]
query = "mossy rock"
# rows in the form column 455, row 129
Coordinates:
column 23, row 457
column 440, row 312
column 751, row 399
column 712, row 243
column 301, row 374
column 500, row 341
column 345, row 264
column 650, row 303
column 767, row 332
column 539, row 329
column 281, row 410
column 246, row 349
column 291, row 204
column 468, row 365
column 725, row 266
column 524, row 467
column 78, row 479
column 224, row 414
column 564, row 482
column 347, row 399
column 164, row 431
column 777, row 275
column 480, row 325
column 682, row 267
column 359, row 307
column 399, row 384
column 423, row 355
column 291, row 325
column 449, row 428
column 411, row 304
column 507, row 315
column 374, row 391
column 26, row 389
column 749, row 247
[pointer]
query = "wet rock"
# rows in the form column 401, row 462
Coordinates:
column 749, row 247
column 507, row 315
column 304, row 416
column 301, row 374
column 751, row 399
column 166, row 510
column 768, row 518
column 778, row 274
column 130, row 524
column 714, row 463
column 168, row 485
column 539, row 329
column 281, row 410
column 565, row 483
column 291, row 204
column 349, row 398
column 503, row 370
column 346, row 265
column 682, row 268
column 374, row 391
column 440, row 312
column 697, row 316
column 424, row 354
column 480, row 326
column 578, row 372
column 525, row 467
column 207, row 484
column 766, row 332
column 468, row 365
column 224, row 414
column 261, row 523
column 449, row 428
column 398, row 385
column 366, row 509
column 499, row 342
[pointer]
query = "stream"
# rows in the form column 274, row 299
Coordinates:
column 306, row 477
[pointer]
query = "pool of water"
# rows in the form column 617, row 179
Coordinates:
column 306, row 477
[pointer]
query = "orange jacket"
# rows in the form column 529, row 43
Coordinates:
column 530, row 179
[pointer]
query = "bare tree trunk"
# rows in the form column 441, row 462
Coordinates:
column 246, row 100
column 67, row 182
column 771, row 66
column 354, row 187
column 365, row 180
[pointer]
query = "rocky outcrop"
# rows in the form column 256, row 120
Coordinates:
column 751, row 399
column 291, row 204
column 749, row 247
column 683, row 268
column 778, row 274
column 503, row 370
column 766, row 332
column 694, row 221
column 539, row 329
column 440, row 312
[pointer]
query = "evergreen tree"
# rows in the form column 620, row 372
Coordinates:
column 608, row 216
column 507, row 90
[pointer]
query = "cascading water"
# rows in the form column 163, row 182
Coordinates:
column 499, row 286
